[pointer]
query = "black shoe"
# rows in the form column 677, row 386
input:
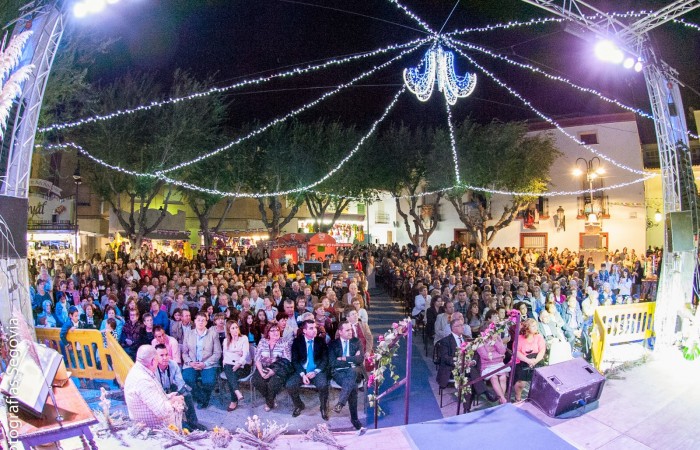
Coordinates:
column 324, row 414
column 356, row 423
column 198, row 426
column 337, row 408
column 492, row 397
column 297, row 411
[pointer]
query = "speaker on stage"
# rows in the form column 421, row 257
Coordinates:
column 679, row 227
column 559, row 388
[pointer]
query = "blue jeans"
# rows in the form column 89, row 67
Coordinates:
column 208, row 379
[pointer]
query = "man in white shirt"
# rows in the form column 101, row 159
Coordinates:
column 420, row 303
column 144, row 396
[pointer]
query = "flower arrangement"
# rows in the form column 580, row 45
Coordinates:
column 324, row 435
column 259, row 436
column 465, row 354
column 383, row 356
column 182, row 436
column 220, row 437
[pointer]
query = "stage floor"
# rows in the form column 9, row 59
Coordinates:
column 651, row 406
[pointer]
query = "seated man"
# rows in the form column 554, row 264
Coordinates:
column 310, row 360
column 557, row 345
column 169, row 342
column 574, row 325
column 346, row 356
column 446, row 350
column 144, row 396
column 170, row 377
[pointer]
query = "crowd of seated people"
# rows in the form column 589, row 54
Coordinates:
column 190, row 322
column 455, row 294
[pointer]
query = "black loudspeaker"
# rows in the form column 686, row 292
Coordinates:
column 559, row 388
column 679, row 226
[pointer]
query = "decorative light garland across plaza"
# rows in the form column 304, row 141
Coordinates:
column 414, row 16
column 453, row 141
column 216, row 90
column 160, row 175
column 543, row 116
column 254, row 132
column 288, row 115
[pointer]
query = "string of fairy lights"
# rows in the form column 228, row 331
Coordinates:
column 240, row 84
column 160, row 175
column 543, row 116
column 258, row 130
column 436, row 39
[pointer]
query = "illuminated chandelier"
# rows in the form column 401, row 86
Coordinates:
column 438, row 64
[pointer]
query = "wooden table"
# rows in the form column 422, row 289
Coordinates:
column 77, row 418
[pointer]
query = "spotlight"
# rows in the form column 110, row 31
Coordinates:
column 95, row 6
column 111, row 2
column 605, row 50
column 80, row 10
column 628, row 63
column 638, row 66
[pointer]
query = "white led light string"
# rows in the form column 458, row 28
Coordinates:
column 543, row 116
column 332, row 172
column 566, row 81
column 256, row 131
column 259, row 80
column 453, row 142
column 289, row 115
column 414, row 16
column 194, row 187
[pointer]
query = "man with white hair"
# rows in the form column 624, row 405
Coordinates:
column 145, row 399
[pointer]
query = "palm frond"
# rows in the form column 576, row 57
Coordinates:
column 10, row 91
column 10, row 55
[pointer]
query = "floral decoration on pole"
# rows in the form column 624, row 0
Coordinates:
column 465, row 354
column 382, row 357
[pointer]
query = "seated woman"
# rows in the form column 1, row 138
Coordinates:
column 236, row 352
column 247, row 328
column 47, row 315
column 260, row 322
column 492, row 354
column 132, row 334
column 361, row 312
column 91, row 321
column 531, row 350
column 111, row 313
column 273, row 361
column 473, row 319
column 435, row 309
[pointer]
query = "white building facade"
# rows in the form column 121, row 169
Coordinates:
column 621, row 210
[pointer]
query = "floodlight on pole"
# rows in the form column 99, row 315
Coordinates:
column 86, row 7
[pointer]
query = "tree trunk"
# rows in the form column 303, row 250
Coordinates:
column 276, row 222
column 421, row 233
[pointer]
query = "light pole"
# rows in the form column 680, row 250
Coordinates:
column 78, row 180
column 593, row 169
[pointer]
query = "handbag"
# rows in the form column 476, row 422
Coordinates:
column 282, row 367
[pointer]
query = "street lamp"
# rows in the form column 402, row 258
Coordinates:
column 78, row 180
column 593, row 169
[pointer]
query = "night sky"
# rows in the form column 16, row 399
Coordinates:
column 234, row 40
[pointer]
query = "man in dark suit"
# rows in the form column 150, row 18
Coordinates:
column 345, row 357
column 310, row 360
column 446, row 350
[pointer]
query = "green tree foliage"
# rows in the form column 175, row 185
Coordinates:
column 147, row 142
column 498, row 156
column 407, row 162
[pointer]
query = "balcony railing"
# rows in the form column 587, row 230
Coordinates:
column 47, row 225
column 381, row 218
